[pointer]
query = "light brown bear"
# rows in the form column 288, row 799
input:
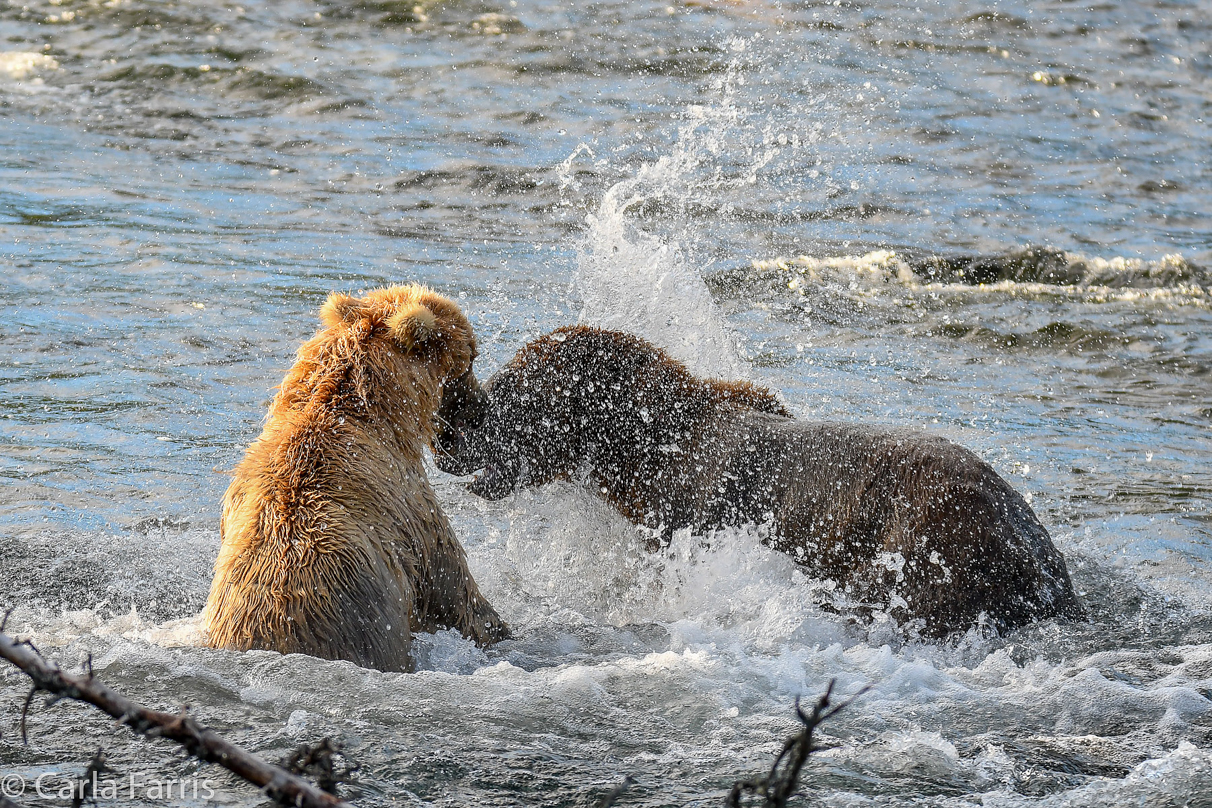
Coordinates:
column 905, row 521
column 333, row 541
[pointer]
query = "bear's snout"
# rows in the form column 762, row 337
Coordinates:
column 452, row 454
column 461, row 412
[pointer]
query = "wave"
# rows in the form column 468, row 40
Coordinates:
column 1027, row 268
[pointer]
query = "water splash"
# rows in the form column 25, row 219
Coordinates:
column 633, row 279
column 573, row 556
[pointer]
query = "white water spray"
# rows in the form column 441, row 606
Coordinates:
column 633, row 280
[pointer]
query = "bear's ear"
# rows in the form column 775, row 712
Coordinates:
column 341, row 308
column 412, row 325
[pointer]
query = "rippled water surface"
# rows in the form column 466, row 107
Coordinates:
column 991, row 221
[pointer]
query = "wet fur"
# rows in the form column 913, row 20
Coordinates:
column 905, row 521
column 333, row 541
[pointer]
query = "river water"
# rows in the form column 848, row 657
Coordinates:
column 990, row 220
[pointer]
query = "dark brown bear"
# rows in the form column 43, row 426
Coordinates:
column 905, row 521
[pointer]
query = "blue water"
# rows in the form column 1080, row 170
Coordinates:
column 758, row 187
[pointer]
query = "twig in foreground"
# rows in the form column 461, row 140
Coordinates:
column 776, row 788
column 317, row 763
column 204, row 744
column 84, row 788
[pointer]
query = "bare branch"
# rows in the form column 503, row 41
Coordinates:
column 84, row 791
column 204, row 744
column 33, row 691
column 317, row 763
column 777, row 787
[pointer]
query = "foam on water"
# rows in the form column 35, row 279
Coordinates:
column 69, row 626
column 23, row 65
column 687, row 659
column 743, row 632
column 1169, row 280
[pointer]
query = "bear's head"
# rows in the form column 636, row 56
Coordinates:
column 404, row 326
column 582, row 398
column 576, row 396
column 531, row 430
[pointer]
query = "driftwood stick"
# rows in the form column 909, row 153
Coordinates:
column 777, row 787
column 204, row 744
